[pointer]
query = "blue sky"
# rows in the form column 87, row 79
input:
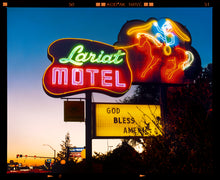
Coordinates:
column 30, row 32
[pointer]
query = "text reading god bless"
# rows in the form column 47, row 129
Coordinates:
column 119, row 120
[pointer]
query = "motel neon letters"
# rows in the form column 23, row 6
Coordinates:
column 60, row 77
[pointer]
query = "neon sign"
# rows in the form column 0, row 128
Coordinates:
column 155, row 51
column 79, row 65
column 159, row 51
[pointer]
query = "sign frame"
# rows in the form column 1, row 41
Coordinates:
column 94, row 136
column 71, row 107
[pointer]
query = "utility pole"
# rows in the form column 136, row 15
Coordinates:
column 88, row 125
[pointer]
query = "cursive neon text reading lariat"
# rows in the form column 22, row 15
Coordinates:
column 78, row 56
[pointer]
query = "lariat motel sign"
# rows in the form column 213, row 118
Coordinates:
column 155, row 51
column 79, row 65
column 152, row 51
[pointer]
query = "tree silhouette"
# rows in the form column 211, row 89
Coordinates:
column 187, row 146
column 64, row 153
column 123, row 159
column 144, row 94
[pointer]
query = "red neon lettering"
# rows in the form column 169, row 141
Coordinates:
column 60, row 77
column 74, row 75
column 92, row 75
column 62, row 73
column 117, row 83
column 77, row 79
column 104, row 77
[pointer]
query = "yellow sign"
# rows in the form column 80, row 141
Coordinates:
column 83, row 154
column 122, row 120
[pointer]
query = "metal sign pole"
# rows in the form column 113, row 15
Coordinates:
column 88, row 125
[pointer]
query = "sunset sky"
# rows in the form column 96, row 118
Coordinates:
column 34, row 118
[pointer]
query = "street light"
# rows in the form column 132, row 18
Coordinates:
column 52, row 149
